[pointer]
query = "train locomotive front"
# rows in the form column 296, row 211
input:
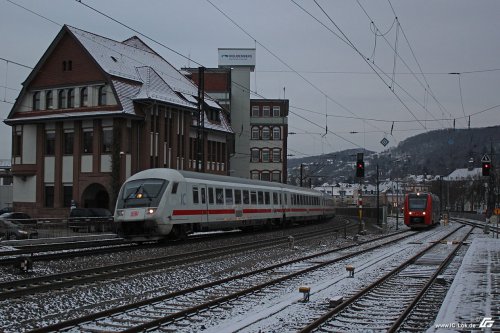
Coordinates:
column 421, row 210
column 144, row 205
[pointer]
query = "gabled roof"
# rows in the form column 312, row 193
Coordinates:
column 121, row 60
column 135, row 71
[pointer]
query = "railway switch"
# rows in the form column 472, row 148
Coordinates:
column 305, row 290
column 350, row 270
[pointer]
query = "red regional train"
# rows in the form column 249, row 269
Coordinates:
column 158, row 203
column 421, row 210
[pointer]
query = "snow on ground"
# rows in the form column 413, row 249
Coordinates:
column 474, row 292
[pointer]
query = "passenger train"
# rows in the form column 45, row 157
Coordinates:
column 158, row 203
column 421, row 210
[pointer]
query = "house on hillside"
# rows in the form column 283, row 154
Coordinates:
column 94, row 111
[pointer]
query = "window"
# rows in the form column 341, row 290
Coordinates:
column 255, row 156
column 67, row 195
column 203, row 195
column 276, row 133
column 195, row 195
column 71, row 98
column 88, row 138
column 175, row 185
column 102, row 96
column 49, row 195
column 69, row 138
column 246, row 197
column 276, row 155
column 84, row 96
column 260, row 197
column 267, row 198
column 266, row 111
column 36, row 100
column 17, row 143
column 70, row 65
column 210, row 195
column 254, row 174
column 265, row 155
column 61, row 99
column 49, row 100
column 255, row 111
column 219, row 196
column 237, row 197
column 276, row 111
column 64, row 66
column 255, row 133
column 229, row 196
column 50, row 143
column 265, row 176
column 107, row 139
column 276, row 176
column 253, row 197
column 266, row 133
column 275, row 198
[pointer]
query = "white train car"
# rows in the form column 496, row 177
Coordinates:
column 156, row 203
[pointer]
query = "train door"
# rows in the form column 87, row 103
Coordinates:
column 204, row 203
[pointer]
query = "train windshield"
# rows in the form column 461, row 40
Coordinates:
column 417, row 202
column 142, row 193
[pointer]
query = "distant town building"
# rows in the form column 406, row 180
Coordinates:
column 5, row 184
column 94, row 111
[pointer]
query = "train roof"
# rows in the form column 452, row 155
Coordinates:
column 165, row 173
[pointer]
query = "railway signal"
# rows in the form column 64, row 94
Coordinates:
column 360, row 169
column 486, row 168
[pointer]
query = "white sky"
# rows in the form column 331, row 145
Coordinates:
column 448, row 36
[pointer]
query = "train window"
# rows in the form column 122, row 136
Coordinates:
column 211, row 195
column 253, row 197
column 203, row 195
column 195, row 195
column 237, row 197
column 246, row 197
column 174, row 187
column 229, row 196
column 260, row 197
column 275, row 198
column 219, row 196
column 285, row 200
column 267, row 198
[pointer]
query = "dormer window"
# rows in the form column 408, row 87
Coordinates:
column 36, row 101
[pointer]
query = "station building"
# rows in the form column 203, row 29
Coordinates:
column 94, row 111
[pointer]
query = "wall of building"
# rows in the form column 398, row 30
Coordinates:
column 240, row 122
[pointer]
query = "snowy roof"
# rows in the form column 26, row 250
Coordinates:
column 461, row 174
column 122, row 60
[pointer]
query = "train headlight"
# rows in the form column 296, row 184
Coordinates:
column 411, row 213
column 150, row 211
column 423, row 213
column 120, row 213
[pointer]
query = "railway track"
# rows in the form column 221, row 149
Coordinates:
column 390, row 303
column 57, row 281
column 202, row 300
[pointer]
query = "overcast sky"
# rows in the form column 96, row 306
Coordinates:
column 354, row 87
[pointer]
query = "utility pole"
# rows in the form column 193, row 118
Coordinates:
column 200, row 136
column 301, row 173
column 378, row 200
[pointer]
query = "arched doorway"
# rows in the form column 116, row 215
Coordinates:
column 95, row 196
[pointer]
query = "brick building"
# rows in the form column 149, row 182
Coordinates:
column 95, row 111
